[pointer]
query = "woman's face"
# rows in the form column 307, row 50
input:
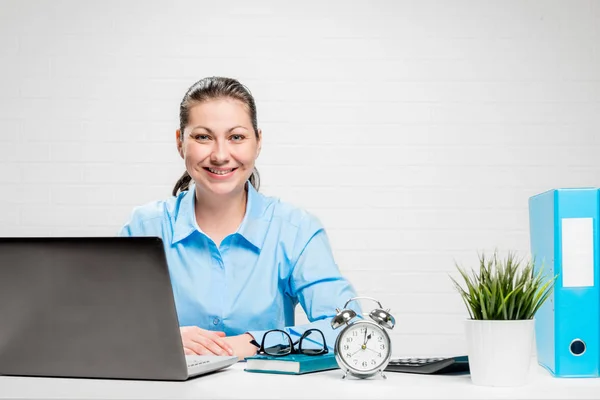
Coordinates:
column 219, row 146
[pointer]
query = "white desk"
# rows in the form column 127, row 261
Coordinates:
column 234, row 383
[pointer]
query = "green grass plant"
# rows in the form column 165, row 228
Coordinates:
column 503, row 289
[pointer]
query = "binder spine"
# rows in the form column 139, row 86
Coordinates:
column 577, row 299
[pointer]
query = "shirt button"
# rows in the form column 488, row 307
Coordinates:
column 216, row 321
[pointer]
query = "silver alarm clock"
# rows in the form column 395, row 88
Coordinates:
column 363, row 348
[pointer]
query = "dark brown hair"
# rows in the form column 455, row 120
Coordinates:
column 212, row 88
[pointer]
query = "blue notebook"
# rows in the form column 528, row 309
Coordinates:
column 295, row 364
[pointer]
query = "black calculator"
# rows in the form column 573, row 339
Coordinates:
column 439, row 365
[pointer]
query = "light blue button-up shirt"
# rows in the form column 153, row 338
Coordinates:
column 279, row 256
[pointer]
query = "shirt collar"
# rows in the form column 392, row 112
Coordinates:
column 185, row 217
column 255, row 224
column 253, row 227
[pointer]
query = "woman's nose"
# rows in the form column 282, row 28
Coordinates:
column 220, row 153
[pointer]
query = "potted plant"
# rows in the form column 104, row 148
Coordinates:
column 502, row 297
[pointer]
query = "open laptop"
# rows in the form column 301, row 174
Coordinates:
column 92, row 308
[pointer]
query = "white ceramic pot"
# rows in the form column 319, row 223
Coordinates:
column 500, row 352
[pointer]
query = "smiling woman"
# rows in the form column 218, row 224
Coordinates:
column 232, row 110
column 239, row 261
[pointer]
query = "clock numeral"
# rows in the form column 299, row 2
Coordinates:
column 354, row 333
column 349, row 339
column 364, row 364
column 362, row 330
column 348, row 355
column 346, row 347
column 380, row 339
column 355, row 362
column 378, row 354
column 382, row 346
column 373, row 362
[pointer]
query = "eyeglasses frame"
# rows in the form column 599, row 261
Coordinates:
column 261, row 347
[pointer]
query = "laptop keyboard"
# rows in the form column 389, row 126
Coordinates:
column 194, row 363
column 197, row 365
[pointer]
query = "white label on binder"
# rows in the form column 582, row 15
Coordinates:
column 577, row 252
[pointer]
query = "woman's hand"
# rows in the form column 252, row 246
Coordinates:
column 241, row 345
column 198, row 341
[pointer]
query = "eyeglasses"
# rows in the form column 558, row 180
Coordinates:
column 278, row 343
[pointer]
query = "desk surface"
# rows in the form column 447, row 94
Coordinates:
column 234, row 382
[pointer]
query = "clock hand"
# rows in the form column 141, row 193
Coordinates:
column 365, row 337
column 374, row 351
column 356, row 352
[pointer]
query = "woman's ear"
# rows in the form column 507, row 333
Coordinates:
column 259, row 143
column 179, row 142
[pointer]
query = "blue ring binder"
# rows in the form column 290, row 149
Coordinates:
column 564, row 233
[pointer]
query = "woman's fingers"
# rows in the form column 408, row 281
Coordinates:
column 193, row 348
column 212, row 340
column 213, row 346
column 189, row 352
column 203, row 346
column 202, row 341
column 205, row 332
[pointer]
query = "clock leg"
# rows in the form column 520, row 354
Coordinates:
column 345, row 374
column 382, row 374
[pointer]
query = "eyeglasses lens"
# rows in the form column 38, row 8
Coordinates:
column 312, row 343
column 277, row 344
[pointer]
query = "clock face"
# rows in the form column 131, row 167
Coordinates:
column 363, row 347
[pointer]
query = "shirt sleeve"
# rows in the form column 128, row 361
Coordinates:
column 126, row 230
column 135, row 224
column 316, row 283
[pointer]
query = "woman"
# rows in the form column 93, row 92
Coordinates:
column 239, row 261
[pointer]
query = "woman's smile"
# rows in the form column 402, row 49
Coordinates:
column 220, row 173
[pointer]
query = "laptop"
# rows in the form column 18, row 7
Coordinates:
column 99, row 307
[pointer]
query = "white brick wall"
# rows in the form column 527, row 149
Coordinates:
column 415, row 130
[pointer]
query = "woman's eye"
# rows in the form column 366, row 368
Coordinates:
column 201, row 137
column 236, row 138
